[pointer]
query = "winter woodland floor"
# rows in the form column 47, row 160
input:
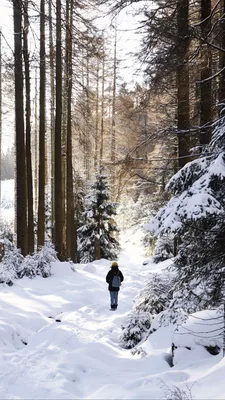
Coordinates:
column 79, row 357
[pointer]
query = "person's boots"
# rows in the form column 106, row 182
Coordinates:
column 113, row 307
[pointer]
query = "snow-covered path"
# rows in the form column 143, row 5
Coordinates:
column 58, row 339
column 80, row 356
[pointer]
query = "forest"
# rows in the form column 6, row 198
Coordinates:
column 100, row 152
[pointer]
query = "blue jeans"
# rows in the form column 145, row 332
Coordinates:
column 114, row 298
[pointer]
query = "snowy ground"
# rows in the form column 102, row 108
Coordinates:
column 58, row 339
column 80, row 357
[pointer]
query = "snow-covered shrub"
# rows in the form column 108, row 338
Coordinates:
column 164, row 249
column 136, row 329
column 7, row 274
column 16, row 266
column 13, row 260
column 152, row 300
column 40, row 262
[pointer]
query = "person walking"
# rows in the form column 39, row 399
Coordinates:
column 114, row 278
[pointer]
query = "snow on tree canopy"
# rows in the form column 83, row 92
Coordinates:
column 96, row 234
column 196, row 195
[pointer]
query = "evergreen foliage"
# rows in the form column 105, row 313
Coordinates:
column 196, row 213
column 152, row 300
column 164, row 249
column 16, row 266
column 98, row 228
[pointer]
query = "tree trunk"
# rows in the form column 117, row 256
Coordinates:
column 52, row 105
column 0, row 118
column 102, row 111
column 183, row 108
column 30, row 228
column 70, row 228
column 221, row 96
column 96, row 118
column 41, row 192
column 21, row 204
column 58, row 131
column 206, row 73
column 113, row 137
column 36, row 143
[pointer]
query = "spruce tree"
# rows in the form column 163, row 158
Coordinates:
column 96, row 234
column 196, row 212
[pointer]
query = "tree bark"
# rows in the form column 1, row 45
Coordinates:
column 70, row 228
column 206, row 73
column 30, row 227
column 0, row 114
column 58, row 132
column 221, row 96
column 96, row 118
column 21, row 204
column 183, row 107
column 52, row 105
column 41, row 192
column 102, row 110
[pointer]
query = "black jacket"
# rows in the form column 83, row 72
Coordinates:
column 109, row 278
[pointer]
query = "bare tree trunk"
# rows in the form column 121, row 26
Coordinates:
column 52, row 105
column 41, row 192
column 96, row 118
column 0, row 119
column 36, row 144
column 87, row 119
column 21, row 204
column 70, row 228
column 64, row 144
column 113, row 137
column 102, row 111
column 222, row 62
column 28, row 133
column 206, row 72
column 58, row 131
column 183, row 107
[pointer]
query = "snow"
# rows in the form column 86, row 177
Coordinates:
column 7, row 200
column 58, row 338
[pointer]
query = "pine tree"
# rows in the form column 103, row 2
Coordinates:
column 196, row 213
column 96, row 235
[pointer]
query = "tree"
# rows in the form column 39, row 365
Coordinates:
column 58, row 140
column 96, row 235
column 21, row 204
column 196, row 212
column 70, row 231
column 206, row 74
column 41, row 191
column 30, row 212
column 183, row 107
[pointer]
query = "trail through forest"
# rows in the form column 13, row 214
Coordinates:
column 59, row 339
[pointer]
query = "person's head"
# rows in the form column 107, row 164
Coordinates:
column 115, row 264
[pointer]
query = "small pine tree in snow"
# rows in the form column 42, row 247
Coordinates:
column 136, row 329
column 96, row 234
column 152, row 300
column 16, row 266
column 163, row 249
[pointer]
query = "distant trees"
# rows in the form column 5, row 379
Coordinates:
column 67, row 124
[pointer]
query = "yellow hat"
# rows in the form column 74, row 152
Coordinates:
column 114, row 264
